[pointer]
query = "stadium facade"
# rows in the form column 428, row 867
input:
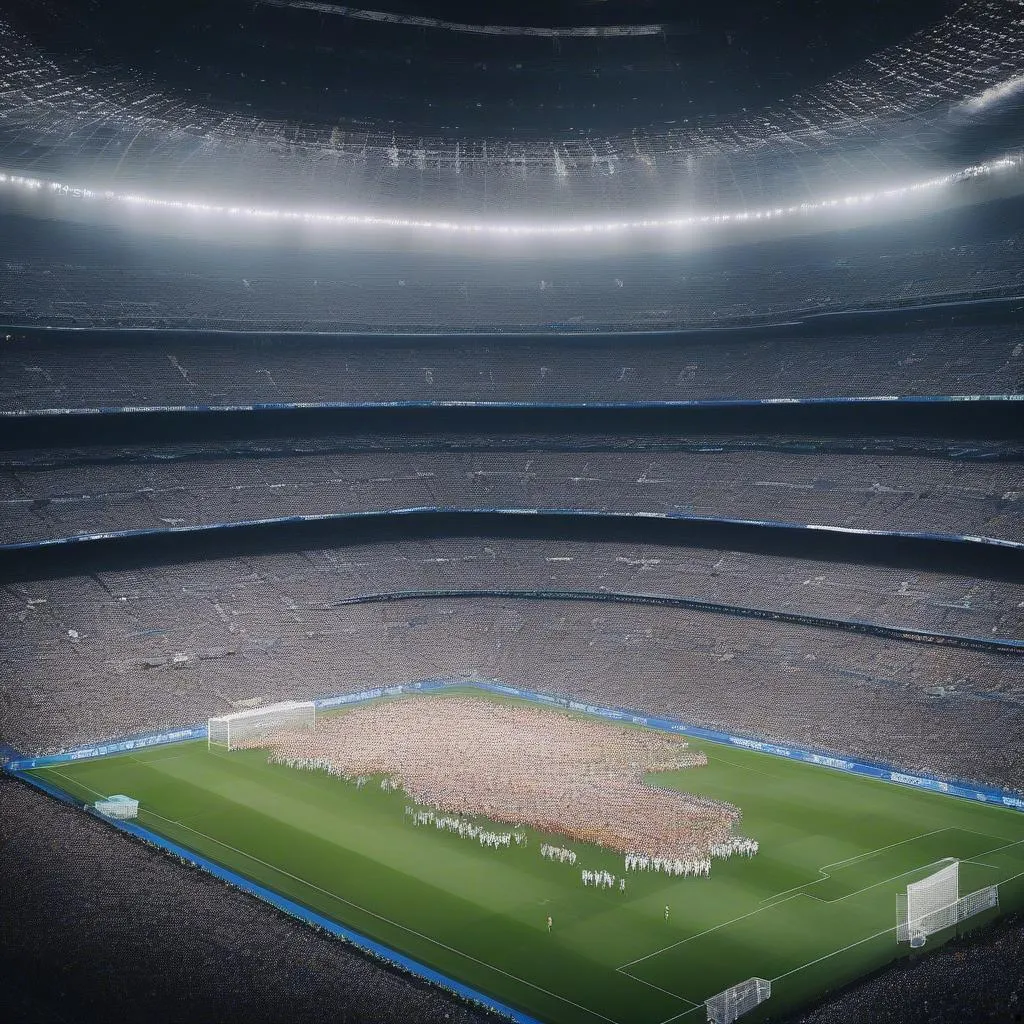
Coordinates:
column 840, row 371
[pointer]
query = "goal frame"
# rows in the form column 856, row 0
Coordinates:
column 732, row 1003
column 219, row 728
column 933, row 904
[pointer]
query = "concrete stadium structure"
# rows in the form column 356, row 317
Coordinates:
column 166, row 370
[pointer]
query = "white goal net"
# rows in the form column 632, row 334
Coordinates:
column 250, row 728
column 118, row 806
column 935, row 903
column 929, row 905
column 731, row 1004
column 976, row 902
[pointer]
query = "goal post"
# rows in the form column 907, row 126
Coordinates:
column 929, row 906
column 118, row 806
column 250, row 728
column 732, row 1003
column 935, row 903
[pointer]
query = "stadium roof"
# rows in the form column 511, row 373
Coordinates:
column 507, row 108
column 453, row 69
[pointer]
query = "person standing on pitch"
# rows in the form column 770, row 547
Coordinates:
column 666, row 911
column 549, row 921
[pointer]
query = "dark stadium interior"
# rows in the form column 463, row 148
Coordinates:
column 530, row 73
column 797, row 446
column 734, row 104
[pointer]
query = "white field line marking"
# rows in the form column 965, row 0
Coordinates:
column 836, row 952
column 79, row 785
column 871, row 853
column 1003, row 881
column 674, row 995
column 891, row 846
column 745, row 767
column 82, row 785
column 622, row 969
column 157, row 760
column 758, row 910
column 998, row 849
column 811, row 963
column 874, row 885
column 685, row 1013
column 371, row 913
column 381, row 917
column 825, row 876
column 707, row 931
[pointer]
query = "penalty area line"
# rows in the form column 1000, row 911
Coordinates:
column 835, row 952
column 874, row 885
column 685, row 1013
column 825, row 875
column 649, row 984
column 827, row 956
column 707, row 931
column 877, row 935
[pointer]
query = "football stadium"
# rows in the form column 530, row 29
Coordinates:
column 512, row 512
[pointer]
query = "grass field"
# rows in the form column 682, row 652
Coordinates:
column 812, row 911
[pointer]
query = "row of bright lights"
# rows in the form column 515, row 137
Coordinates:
column 512, row 229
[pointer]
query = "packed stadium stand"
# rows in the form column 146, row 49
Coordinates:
column 171, row 370
column 62, row 273
column 41, row 371
column 96, row 491
column 126, row 651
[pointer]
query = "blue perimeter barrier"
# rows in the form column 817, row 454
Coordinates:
column 19, row 766
column 291, row 908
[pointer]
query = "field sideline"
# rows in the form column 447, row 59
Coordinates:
column 813, row 910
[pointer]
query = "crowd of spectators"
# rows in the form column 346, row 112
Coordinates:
column 92, row 276
column 183, row 112
column 150, row 488
column 103, row 922
column 131, row 928
column 515, row 765
column 90, row 657
column 112, row 653
column 62, row 370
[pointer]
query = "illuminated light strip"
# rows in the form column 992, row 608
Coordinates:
column 592, row 31
column 1009, row 89
column 501, row 229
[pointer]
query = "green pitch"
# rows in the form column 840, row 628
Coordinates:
column 813, row 910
